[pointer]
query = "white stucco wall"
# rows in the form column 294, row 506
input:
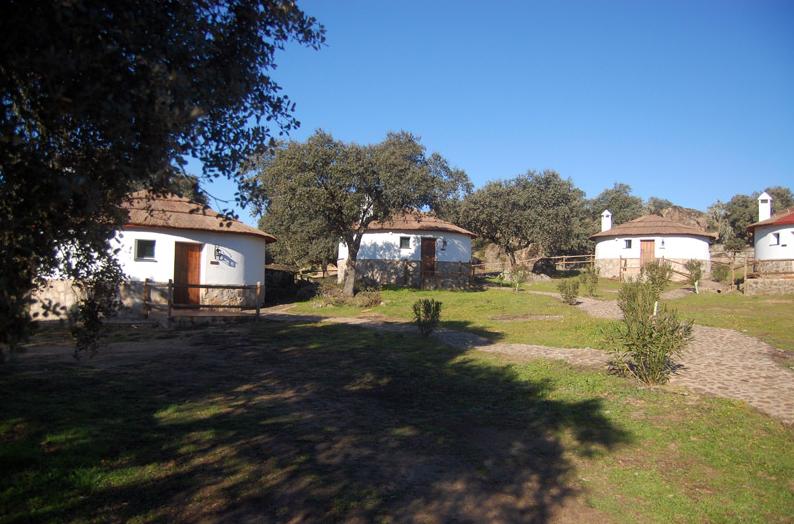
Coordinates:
column 386, row 246
column 677, row 247
column 767, row 249
column 242, row 261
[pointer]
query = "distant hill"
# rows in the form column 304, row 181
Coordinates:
column 686, row 216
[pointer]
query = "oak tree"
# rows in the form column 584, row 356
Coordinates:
column 534, row 209
column 348, row 186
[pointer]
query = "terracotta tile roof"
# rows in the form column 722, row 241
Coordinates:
column 174, row 212
column 652, row 225
column 778, row 219
column 417, row 221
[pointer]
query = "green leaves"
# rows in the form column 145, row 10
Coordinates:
column 327, row 189
column 535, row 209
column 650, row 336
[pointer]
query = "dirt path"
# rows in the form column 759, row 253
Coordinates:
column 718, row 361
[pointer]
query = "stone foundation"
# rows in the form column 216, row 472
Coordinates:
column 769, row 286
column 610, row 267
column 229, row 297
column 54, row 300
column 408, row 273
column 773, row 266
column 62, row 295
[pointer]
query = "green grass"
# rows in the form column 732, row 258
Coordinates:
column 607, row 288
column 497, row 314
column 313, row 422
column 769, row 318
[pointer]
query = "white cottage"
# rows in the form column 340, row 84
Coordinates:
column 622, row 250
column 773, row 238
column 172, row 238
column 413, row 249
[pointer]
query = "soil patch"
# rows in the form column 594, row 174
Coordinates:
column 515, row 318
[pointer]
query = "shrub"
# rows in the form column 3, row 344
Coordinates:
column 589, row 280
column 427, row 314
column 330, row 294
column 695, row 269
column 720, row 272
column 569, row 290
column 657, row 274
column 367, row 298
column 518, row 275
column 645, row 343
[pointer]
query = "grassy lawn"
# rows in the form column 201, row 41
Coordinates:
column 498, row 314
column 312, row 422
column 769, row 318
column 607, row 288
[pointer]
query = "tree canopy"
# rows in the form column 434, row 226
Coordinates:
column 99, row 98
column 731, row 218
column 619, row 201
column 303, row 239
column 534, row 209
column 342, row 188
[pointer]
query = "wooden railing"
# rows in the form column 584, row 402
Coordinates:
column 149, row 285
column 562, row 262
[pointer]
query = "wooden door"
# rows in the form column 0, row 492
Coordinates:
column 647, row 252
column 428, row 257
column 187, row 270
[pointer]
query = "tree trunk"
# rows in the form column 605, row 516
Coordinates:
column 349, row 284
column 512, row 257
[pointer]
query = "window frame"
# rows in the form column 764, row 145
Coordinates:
column 407, row 239
column 627, row 243
column 138, row 256
column 775, row 239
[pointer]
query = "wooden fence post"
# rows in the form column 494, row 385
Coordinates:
column 170, row 297
column 147, row 298
column 258, row 294
column 745, row 267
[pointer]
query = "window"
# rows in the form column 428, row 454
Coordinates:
column 774, row 239
column 661, row 246
column 144, row 250
column 405, row 242
column 627, row 244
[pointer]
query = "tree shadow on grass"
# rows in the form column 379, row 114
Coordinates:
column 280, row 422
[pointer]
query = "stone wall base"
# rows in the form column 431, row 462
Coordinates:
column 62, row 294
column 408, row 273
column 769, row 286
column 229, row 297
column 610, row 267
column 773, row 266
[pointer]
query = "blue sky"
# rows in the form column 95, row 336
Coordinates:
column 690, row 101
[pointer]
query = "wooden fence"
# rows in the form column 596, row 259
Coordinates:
column 561, row 263
column 169, row 306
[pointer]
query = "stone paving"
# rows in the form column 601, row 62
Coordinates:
column 725, row 363
column 720, row 362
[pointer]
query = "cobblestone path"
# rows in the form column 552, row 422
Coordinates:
column 725, row 363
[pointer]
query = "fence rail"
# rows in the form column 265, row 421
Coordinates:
column 562, row 262
column 149, row 305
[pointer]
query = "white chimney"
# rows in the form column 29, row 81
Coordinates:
column 606, row 220
column 764, row 206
